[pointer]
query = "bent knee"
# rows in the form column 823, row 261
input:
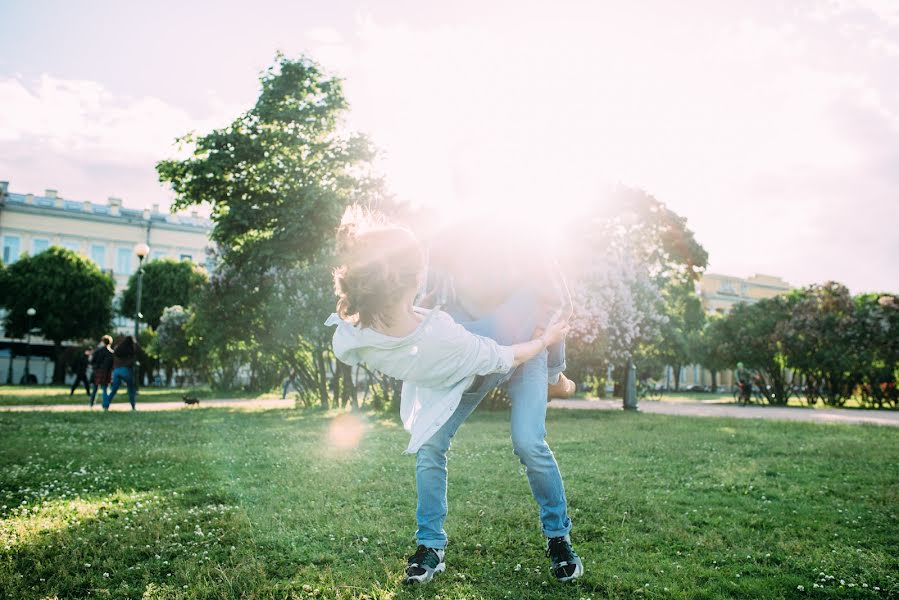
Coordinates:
column 529, row 447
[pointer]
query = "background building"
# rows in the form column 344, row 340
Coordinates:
column 719, row 294
column 106, row 233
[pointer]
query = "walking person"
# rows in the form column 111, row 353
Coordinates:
column 80, row 371
column 124, row 355
column 101, row 368
column 291, row 381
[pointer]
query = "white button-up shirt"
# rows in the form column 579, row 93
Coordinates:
column 436, row 363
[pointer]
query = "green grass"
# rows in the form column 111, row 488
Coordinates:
column 218, row 503
column 15, row 395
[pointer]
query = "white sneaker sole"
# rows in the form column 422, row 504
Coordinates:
column 427, row 576
column 578, row 571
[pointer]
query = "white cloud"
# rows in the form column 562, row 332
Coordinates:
column 80, row 128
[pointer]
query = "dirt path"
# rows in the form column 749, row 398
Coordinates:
column 684, row 409
column 777, row 413
column 152, row 406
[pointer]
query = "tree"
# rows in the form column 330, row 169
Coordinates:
column 755, row 334
column 631, row 249
column 278, row 179
column 709, row 348
column 877, row 336
column 171, row 343
column 166, row 282
column 685, row 318
column 72, row 297
column 822, row 342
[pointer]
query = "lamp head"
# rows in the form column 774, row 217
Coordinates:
column 31, row 312
column 141, row 250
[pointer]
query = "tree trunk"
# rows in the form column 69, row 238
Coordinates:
column 676, row 370
column 714, row 374
column 322, row 376
column 59, row 369
column 348, row 388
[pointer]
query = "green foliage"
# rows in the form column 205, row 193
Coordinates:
column 755, row 334
column 72, row 297
column 823, row 341
column 279, row 176
column 166, row 282
column 682, row 328
column 278, row 179
column 171, row 344
column 877, row 332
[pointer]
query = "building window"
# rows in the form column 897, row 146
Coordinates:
column 10, row 249
column 123, row 261
column 71, row 245
column 98, row 255
column 727, row 288
column 187, row 257
column 38, row 245
column 157, row 255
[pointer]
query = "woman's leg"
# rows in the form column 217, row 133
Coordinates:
column 132, row 387
column 117, row 376
column 527, row 389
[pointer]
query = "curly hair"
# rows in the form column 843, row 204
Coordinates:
column 378, row 263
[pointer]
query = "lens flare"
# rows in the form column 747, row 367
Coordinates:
column 346, row 431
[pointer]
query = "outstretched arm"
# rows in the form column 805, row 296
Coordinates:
column 528, row 350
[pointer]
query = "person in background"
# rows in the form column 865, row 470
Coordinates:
column 291, row 381
column 101, row 368
column 124, row 355
column 80, row 371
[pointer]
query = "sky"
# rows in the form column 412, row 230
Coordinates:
column 772, row 126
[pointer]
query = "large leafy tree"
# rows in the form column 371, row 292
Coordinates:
column 632, row 268
column 277, row 179
column 709, row 348
column 877, row 336
column 72, row 297
column 822, row 341
column 756, row 335
column 166, row 282
column 682, row 328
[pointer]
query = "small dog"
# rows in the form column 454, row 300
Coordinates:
column 188, row 400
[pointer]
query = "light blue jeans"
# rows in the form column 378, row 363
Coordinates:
column 119, row 375
column 512, row 323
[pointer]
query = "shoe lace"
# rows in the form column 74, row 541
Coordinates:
column 425, row 557
column 559, row 550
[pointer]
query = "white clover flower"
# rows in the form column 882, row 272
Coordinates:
column 800, row 588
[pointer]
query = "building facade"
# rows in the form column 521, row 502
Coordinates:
column 719, row 294
column 106, row 233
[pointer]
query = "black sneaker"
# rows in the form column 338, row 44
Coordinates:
column 566, row 564
column 424, row 564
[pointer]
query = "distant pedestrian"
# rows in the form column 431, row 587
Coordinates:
column 291, row 381
column 80, row 371
column 101, row 368
column 124, row 355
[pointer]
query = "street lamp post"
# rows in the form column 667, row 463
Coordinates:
column 141, row 250
column 29, row 313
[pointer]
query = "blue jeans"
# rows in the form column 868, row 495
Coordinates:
column 511, row 323
column 119, row 375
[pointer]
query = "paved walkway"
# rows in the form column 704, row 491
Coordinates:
column 777, row 413
column 683, row 408
column 152, row 406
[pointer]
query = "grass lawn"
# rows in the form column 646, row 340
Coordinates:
column 219, row 503
column 13, row 395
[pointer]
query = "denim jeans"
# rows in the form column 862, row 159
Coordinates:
column 119, row 375
column 511, row 323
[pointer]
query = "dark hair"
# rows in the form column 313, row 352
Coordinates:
column 378, row 262
column 125, row 347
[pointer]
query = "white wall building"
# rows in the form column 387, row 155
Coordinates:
column 106, row 233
